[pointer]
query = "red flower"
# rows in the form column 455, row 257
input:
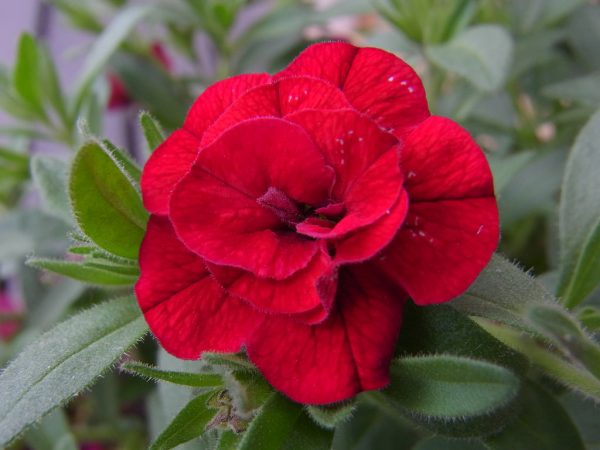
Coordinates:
column 294, row 214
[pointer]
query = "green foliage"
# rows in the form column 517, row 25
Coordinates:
column 152, row 129
column 330, row 416
column 88, row 272
column 579, row 218
column 50, row 177
column 78, row 350
column 453, row 395
column 542, row 424
column 106, row 204
column 282, row 424
column 188, row 424
column 204, row 380
column 481, row 54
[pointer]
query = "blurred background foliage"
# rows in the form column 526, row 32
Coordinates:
column 522, row 76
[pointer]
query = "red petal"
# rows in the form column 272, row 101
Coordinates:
column 165, row 168
column 215, row 209
column 185, row 308
column 375, row 82
column 217, row 98
column 366, row 242
column 441, row 161
column 279, row 99
column 348, row 353
column 306, row 290
column 442, row 247
column 173, row 159
column 366, row 161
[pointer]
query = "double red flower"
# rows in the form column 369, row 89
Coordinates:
column 294, row 214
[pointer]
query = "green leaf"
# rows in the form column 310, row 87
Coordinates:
column 106, row 204
column 248, row 390
column 50, row 85
column 440, row 329
column 330, row 416
column 590, row 317
column 503, row 293
column 152, row 88
column 124, row 161
column 439, row 443
column 106, row 45
column 201, row 380
column 50, row 177
column 307, row 435
column 272, row 425
column 228, row 440
column 542, row 424
column 153, row 132
column 584, row 90
column 83, row 272
column 505, row 168
column 453, row 395
column 579, row 217
column 64, row 361
column 26, row 76
column 238, row 362
column 52, row 433
column 482, row 54
column 375, row 428
column 187, row 425
column 584, row 34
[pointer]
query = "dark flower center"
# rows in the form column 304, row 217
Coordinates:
column 292, row 213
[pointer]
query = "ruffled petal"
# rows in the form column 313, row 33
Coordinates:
column 173, row 159
column 217, row 98
column 365, row 243
column 312, row 288
column 215, row 208
column 165, row 168
column 441, row 161
column 348, row 353
column 442, row 247
column 279, row 99
column 187, row 311
column 375, row 82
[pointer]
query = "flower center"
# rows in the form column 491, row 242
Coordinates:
column 292, row 213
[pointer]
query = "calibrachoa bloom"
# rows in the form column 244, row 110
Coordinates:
column 294, row 214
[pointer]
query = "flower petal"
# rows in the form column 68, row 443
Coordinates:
column 442, row 247
column 173, row 159
column 167, row 165
column 441, row 161
column 217, row 98
column 186, row 309
column 368, row 241
column 215, row 209
column 348, row 353
column 375, row 82
column 278, row 99
column 308, row 289
column 366, row 161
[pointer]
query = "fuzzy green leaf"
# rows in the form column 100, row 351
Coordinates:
column 50, row 177
column 579, row 217
column 542, row 424
column 106, row 204
column 187, row 425
column 88, row 273
column 272, row 425
column 453, row 395
column 26, row 76
column 201, row 380
column 482, row 54
column 330, row 416
column 153, row 132
column 64, row 361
